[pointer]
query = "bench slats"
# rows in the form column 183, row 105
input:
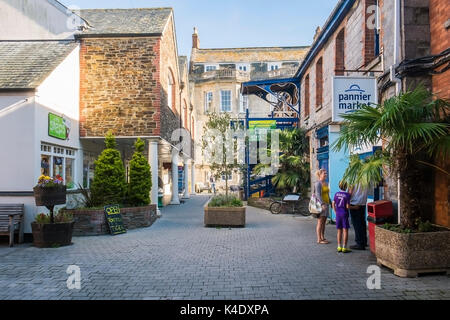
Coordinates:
column 17, row 222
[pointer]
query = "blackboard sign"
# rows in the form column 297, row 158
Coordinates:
column 114, row 220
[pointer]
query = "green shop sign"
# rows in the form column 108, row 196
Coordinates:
column 56, row 127
column 262, row 124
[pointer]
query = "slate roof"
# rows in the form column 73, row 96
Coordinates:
column 125, row 21
column 260, row 54
column 26, row 64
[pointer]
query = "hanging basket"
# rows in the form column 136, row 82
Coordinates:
column 50, row 196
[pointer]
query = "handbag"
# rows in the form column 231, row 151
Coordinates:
column 315, row 207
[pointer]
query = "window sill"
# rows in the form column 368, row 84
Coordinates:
column 319, row 108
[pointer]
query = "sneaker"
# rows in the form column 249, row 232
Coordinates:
column 339, row 249
column 356, row 247
column 345, row 250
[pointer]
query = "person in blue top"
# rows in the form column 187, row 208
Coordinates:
column 341, row 205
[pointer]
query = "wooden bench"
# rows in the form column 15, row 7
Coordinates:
column 11, row 221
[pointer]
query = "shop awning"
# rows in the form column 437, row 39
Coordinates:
column 285, row 91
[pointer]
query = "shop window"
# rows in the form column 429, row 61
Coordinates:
column 60, row 161
column 88, row 169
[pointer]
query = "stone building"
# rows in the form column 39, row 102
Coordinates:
column 216, row 76
column 345, row 49
column 132, row 83
column 395, row 45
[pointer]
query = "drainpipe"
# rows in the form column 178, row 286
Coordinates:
column 393, row 77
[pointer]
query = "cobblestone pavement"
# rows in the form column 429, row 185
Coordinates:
column 274, row 257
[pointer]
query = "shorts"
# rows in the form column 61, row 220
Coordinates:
column 342, row 221
column 325, row 211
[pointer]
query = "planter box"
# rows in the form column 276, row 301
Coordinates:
column 50, row 196
column 93, row 222
column 411, row 254
column 224, row 217
column 53, row 234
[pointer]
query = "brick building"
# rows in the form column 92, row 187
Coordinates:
column 132, row 82
column 216, row 76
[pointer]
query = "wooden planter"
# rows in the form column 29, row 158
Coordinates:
column 411, row 254
column 52, row 234
column 233, row 217
column 50, row 196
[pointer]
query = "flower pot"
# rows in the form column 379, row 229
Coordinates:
column 50, row 196
column 52, row 234
column 224, row 217
column 409, row 255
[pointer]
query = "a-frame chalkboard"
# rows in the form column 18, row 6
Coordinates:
column 114, row 220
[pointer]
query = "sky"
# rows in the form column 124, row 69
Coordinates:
column 234, row 23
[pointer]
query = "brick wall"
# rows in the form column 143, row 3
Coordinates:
column 440, row 41
column 119, row 87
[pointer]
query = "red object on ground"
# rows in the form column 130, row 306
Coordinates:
column 379, row 213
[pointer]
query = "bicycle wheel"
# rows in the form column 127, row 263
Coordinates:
column 275, row 208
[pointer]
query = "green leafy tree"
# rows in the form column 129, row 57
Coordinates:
column 414, row 129
column 294, row 171
column 109, row 185
column 140, row 177
column 220, row 125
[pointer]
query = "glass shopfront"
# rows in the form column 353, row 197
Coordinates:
column 56, row 160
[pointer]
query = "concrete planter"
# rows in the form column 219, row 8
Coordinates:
column 411, row 254
column 224, row 217
column 93, row 222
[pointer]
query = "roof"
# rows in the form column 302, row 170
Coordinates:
column 26, row 64
column 262, row 54
column 125, row 21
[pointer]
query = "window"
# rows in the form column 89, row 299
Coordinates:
column 273, row 66
column 225, row 100
column 208, row 101
column 88, row 169
column 307, row 98
column 340, row 53
column 243, row 103
column 210, row 68
column 243, row 67
column 319, row 83
column 58, row 161
column 224, row 177
column 170, row 91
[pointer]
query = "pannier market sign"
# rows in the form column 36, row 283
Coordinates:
column 350, row 93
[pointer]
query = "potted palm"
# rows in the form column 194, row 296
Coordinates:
column 414, row 129
column 48, row 230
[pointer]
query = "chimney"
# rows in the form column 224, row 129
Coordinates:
column 195, row 39
column 318, row 31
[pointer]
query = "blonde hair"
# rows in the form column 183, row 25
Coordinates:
column 319, row 172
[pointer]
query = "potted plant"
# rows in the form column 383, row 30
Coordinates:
column 48, row 230
column 217, row 145
column 414, row 129
column 224, row 211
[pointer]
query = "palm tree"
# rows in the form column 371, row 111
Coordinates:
column 412, row 126
column 294, row 172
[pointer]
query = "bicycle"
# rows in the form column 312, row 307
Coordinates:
column 290, row 201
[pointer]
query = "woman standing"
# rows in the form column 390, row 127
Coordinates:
column 322, row 191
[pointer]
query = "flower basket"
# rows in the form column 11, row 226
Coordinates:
column 50, row 196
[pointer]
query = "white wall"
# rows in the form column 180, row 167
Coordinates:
column 35, row 19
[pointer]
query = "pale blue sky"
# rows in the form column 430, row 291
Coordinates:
column 235, row 23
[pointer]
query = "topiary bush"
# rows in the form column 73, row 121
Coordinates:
column 140, row 177
column 109, row 185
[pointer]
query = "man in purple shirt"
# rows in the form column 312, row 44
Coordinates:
column 341, row 204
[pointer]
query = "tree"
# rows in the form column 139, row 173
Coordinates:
column 217, row 146
column 140, row 177
column 294, row 172
column 109, row 185
column 414, row 129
